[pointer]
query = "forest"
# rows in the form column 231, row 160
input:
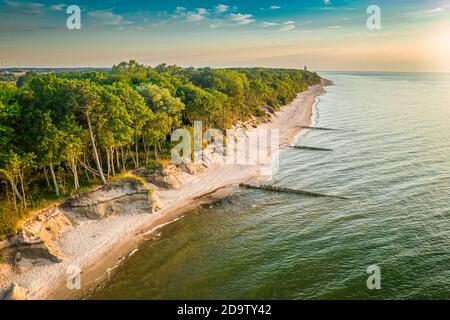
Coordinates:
column 67, row 131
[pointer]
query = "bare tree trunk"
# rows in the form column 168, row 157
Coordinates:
column 108, row 162
column 123, row 160
column 73, row 167
column 75, row 176
column 14, row 189
column 94, row 150
column 100, row 158
column 132, row 156
column 137, row 154
column 89, row 169
column 85, row 170
column 55, row 183
column 146, row 153
column 23, row 189
column 112, row 162
column 16, row 192
column 118, row 159
column 63, row 182
column 46, row 177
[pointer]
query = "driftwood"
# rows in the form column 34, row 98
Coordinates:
column 289, row 190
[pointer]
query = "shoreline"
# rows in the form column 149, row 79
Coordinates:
column 107, row 243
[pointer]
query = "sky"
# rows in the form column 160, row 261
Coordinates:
column 324, row 35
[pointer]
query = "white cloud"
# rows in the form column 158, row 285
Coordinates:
column 106, row 17
column 190, row 16
column 285, row 26
column 275, row 7
column 58, row 7
column 288, row 27
column 215, row 16
column 327, row 2
column 157, row 24
column 438, row 9
column 240, row 18
column 180, row 10
column 266, row 24
column 198, row 15
column 221, row 8
column 193, row 17
column 24, row 7
column 334, row 27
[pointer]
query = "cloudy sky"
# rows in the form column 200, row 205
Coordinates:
column 322, row 34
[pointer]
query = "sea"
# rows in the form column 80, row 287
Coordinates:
column 389, row 239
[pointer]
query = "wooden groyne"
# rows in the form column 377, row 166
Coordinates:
column 305, row 147
column 310, row 148
column 318, row 128
column 289, row 190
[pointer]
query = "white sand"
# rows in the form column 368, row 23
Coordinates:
column 96, row 245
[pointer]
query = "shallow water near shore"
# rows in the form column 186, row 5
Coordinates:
column 391, row 157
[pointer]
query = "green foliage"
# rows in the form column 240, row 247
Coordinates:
column 138, row 180
column 153, row 165
column 200, row 104
column 9, row 116
column 131, row 72
column 9, row 219
column 159, row 100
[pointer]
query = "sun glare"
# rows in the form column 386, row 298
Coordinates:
column 438, row 48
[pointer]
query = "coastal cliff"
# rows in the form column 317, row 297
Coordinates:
column 37, row 241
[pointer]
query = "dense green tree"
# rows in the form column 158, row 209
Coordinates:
column 15, row 170
column 89, row 103
column 200, row 104
column 155, row 131
column 50, row 148
column 9, row 117
column 129, row 117
column 159, row 100
column 131, row 72
column 73, row 141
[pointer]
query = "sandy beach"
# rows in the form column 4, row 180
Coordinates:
column 98, row 246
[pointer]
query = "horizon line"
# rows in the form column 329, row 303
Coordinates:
column 228, row 67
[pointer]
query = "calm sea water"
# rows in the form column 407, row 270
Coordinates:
column 391, row 158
